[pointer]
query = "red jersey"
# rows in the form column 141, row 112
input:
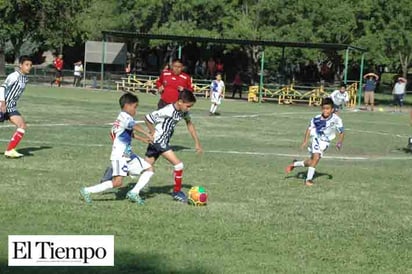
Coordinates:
column 171, row 82
column 58, row 63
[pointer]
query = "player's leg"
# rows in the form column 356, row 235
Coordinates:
column 17, row 120
column 311, row 164
column 372, row 100
column 113, row 177
column 170, row 156
column 139, row 166
column 366, row 99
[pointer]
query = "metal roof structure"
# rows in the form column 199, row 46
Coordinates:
column 181, row 38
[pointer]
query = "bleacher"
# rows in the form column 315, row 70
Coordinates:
column 291, row 94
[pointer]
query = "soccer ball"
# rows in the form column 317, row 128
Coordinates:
column 197, row 196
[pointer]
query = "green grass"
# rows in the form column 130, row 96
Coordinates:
column 356, row 219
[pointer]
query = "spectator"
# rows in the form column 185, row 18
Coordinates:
column 211, row 68
column 237, row 85
column 369, row 88
column 398, row 93
column 78, row 69
column 58, row 66
column 219, row 67
column 171, row 82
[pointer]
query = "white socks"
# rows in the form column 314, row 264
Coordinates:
column 143, row 180
column 100, row 187
column 311, row 172
column 299, row 163
column 213, row 108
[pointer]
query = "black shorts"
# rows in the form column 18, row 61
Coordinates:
column 7, row 115
column 155, row 150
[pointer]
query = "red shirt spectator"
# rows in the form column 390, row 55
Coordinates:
column 171, row 82
column 58, row 62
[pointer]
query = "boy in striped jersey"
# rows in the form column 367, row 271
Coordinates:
column 161, row 124
column 10, row 92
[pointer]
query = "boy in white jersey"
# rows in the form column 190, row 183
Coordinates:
column 10, row 92
column 322, row 130
column 217, row 89
column 340, row 98
column 161, row 124
column 123, row 161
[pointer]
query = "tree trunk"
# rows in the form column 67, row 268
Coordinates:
column 2, row 59
column 404, row 59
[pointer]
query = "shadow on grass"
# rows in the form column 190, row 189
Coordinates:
column 302, row 175
column 125, row 262
column 27, row 151
column 153, row 191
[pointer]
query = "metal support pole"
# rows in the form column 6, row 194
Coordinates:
column 360, row 79
column 283, row 63
column 103, row 60
column 345, row 76
column 262, row 63
column 179, row 53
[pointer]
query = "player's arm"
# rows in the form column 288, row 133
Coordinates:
column 149, row 121
column 341, row 135
column 189, row 84
column 9, row 81
column 192, row 130
column 159, row 83
column 148, row 137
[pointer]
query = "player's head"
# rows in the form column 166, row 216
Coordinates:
column 25, row 64
column 342, row 87
column 177, row 66
column 219, row 76
column 327, row 107
column 128, row 103
column 186, row 100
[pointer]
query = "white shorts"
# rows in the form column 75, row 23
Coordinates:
column 133, row 167
column 215, row 98
column 318, row 146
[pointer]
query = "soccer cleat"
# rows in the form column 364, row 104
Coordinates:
column 134, row 197
column 179, row 196
column 290, row 167
column 13, row 154
column 86, row 195
column 308, row 183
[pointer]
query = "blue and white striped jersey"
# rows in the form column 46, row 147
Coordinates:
column 165, row 121
column 325, row 129
column 14, row 86
column 122, row 134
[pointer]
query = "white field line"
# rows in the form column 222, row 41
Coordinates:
column 234, row 152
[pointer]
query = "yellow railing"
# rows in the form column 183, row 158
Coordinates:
column 289, row 95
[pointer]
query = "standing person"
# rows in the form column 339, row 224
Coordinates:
column 340, row 98
column 10, row 92
column 58, row 66
column 171, row 82
column 78, row 69
column 217, row 89
column 322, row 130
column 211, row 67
column 369, row 88
column 162, row 123
column 123, row 161
column 398, row 93
column 237, row 85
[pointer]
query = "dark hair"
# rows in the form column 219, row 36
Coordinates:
column 24, row 58
column 128, row 98
column 327, row 101
column 177, row 60
column 343, row 85
column 187, row 96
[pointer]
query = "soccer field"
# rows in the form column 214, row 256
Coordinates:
column 355, row 219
